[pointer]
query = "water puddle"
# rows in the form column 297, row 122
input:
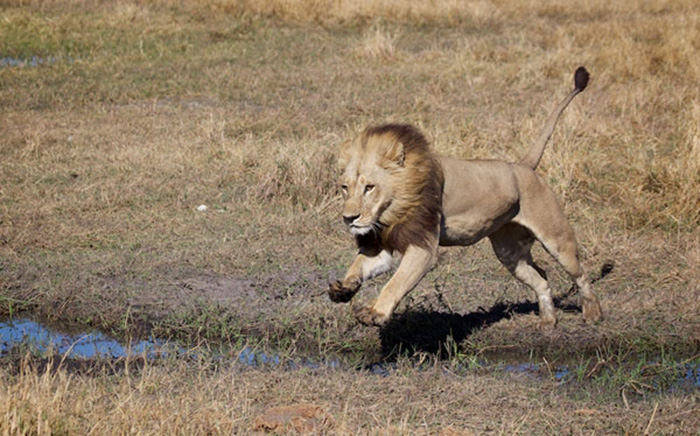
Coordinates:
column 34, row 61
column 34, row 337
column 680, row 376
column 37, row 338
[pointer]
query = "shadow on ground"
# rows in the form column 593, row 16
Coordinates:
column 430, row 331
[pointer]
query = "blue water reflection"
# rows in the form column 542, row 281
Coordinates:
column 688, row 373
column 27, row 333
column 34, row 337
column 33, row 61
column 250, row 357
column 691, row 375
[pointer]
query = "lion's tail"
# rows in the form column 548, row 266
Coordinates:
column 532, row 159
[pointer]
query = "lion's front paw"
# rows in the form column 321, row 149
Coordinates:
column 338, row 292
column 368, row 316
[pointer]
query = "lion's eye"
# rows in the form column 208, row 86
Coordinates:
column 344, row 188
column 369, row 188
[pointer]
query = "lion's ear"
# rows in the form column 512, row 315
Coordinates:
column 396, row 153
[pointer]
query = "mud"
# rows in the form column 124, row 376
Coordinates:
column 262, row 294
column 31, row 336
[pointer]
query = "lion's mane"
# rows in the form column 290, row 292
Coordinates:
column 415, row 211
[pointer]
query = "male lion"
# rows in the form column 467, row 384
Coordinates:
column 401, row 198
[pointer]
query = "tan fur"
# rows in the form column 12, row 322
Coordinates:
column 401, row 198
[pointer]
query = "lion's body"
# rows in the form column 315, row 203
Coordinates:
column 492, row 200
column 401, row 198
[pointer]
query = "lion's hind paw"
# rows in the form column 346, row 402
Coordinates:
column 592, row 312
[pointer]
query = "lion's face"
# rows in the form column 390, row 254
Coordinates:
column 367, row 184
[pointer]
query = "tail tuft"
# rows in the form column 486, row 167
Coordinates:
column 581, row 78
column 533, row 156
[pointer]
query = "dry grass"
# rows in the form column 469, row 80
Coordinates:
column 193, row 399
column 378, row 43
column 144, row 111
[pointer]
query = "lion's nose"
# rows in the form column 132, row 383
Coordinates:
column 350, row 219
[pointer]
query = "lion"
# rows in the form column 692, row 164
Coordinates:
column 402, row 199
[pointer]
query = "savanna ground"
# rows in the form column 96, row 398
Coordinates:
column 119, row 119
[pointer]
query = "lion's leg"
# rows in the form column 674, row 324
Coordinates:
column 364, row 267
column 554, row 232
column 564, row 250
column 415, row 263
column 541, row 214
column 592, row 311
column 512, row 244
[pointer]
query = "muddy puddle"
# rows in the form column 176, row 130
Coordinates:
column 32, row 61
column 30, row 336
column 34, row 337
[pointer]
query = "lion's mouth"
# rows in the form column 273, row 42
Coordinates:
column 359, row 230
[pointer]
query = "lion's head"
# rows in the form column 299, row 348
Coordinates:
column 392, row 186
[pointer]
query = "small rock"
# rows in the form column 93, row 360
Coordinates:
column 300, row 418
column 451, row 431
column 202, row 207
